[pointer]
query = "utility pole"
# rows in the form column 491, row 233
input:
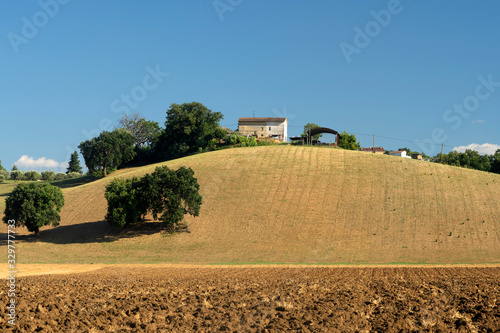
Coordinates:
column 373, row 147
column 442, row 145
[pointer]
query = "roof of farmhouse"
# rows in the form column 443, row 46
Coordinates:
column 261, row 120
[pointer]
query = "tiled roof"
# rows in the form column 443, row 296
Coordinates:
column 373, row 149
column 261, row 119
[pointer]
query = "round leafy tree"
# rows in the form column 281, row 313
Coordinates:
column 34, row 205
column 172, row 194
column 123, row 202
column 166, row 194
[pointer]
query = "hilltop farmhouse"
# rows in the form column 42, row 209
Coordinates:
column 276, row 128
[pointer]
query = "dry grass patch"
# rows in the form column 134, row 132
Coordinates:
column 286, row 204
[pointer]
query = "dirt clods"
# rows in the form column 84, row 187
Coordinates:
column 259, row 300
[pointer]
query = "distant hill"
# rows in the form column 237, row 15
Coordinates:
column 288, row 204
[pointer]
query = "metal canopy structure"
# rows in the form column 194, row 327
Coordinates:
column 321, row 130
column 315, row 131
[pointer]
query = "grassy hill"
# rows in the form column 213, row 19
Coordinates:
column 286, row 204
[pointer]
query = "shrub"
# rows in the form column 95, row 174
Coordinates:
column 165, row 192
column 32, row 175
column 48, row 175
column 232, row 139
column 73, row 174
column 34, row 205
column 2, row 178
column 264, row 143
column 241, row 139
column 124, row 201
column 5, row 174
column 16, row 175
column 60, row 176
column 252, row 141
column 212, row 144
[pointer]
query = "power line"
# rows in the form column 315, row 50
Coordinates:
column 395, row 139
column 377, row 136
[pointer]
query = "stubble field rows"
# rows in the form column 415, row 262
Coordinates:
column 282, row 204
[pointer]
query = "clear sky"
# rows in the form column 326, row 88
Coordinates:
column 422, row 71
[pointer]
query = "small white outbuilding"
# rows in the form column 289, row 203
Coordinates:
column 399, row 153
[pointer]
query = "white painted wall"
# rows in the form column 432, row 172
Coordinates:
column 400, row 154
column 276, row 128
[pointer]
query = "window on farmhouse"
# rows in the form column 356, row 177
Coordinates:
column 269, row 128
column 262, row 128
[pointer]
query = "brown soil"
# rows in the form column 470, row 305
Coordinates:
column 171, row 299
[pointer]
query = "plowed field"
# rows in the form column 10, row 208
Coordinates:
column 260, row 299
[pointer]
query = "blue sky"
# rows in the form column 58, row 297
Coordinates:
column 422, row 72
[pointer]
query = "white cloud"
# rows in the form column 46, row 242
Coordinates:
column 477, row 121
column 485, row 148
column 27, row 163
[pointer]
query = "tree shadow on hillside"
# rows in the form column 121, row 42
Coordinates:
column 91, row 232
column 67, row 183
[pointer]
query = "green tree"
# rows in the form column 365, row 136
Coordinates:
column 166, row 193
column 14, row 167
column 16, row 175
column 145, row 132
column 124, row 202
column 188, row 127
column 495, row 162
column 349, row 141
column 48, row 175
column 469, row 159
column 1, row 167
column 464, row 160
column 172, row 194
column 74, row 164
column 72, row 175
column 110, row 150
column 60, row 176
column 407, row 150
column 5, row 174
column 32, row 175
column 34, row 205
column 310, row 126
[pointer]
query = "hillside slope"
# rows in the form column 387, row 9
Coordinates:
column 286, row 204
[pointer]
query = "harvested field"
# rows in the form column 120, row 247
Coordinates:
column 293, row 205
column 213, row 299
